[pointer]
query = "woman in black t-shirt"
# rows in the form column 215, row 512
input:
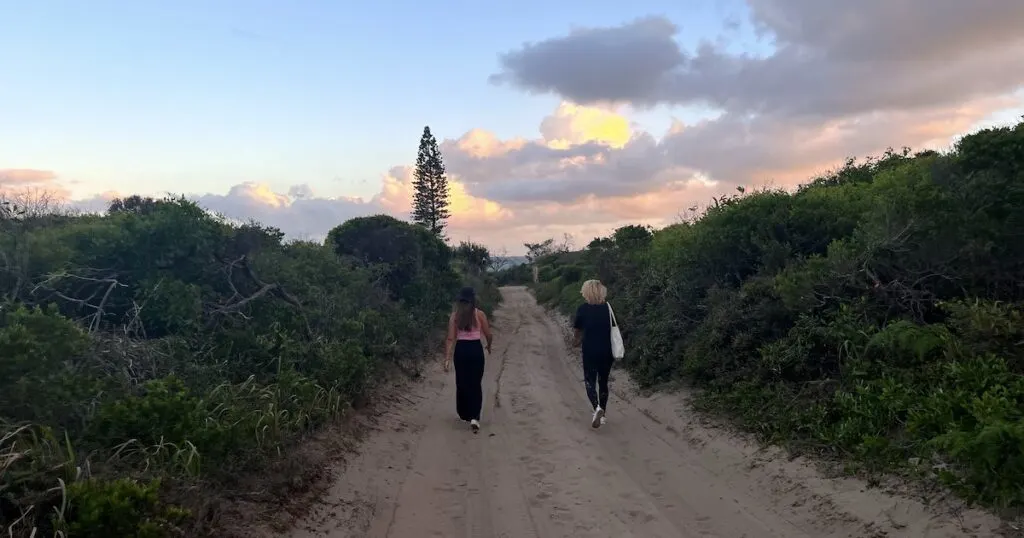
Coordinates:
column 592, row 329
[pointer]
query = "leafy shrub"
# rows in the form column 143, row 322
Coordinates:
column 517, row 275
column 37, row 373
column 403, row 250
column 123, row 507
column 164, row 412
column 475, row 258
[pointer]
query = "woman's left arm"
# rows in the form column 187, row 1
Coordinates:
column 485, row 328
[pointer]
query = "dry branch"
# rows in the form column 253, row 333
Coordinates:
column 107, row 286
column 239, row 301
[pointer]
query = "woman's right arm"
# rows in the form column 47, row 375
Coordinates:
column 577, row 327
column 449, row 342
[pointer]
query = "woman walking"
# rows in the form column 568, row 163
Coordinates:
column 593, row 329
column 466, row 326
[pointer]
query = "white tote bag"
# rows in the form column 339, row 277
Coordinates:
column 618, row 349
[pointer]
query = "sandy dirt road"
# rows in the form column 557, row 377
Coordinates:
column 537, row 468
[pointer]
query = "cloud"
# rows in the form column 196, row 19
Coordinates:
column 298, row 212
column 588, row 182
column 397, row 192
column 730, row 150
column 30, row 183
column 742, row 150
column 830, row 60
column 25, row 176
column 572, row 125
column 301, row 192
column 623, row 63
column 841, row 81
column 583, row 151
column 97, row 203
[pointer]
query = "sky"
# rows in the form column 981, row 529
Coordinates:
column 554, row 118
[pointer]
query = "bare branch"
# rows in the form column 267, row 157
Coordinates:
column 108, row 284
column 238, row 301
column 238, row 305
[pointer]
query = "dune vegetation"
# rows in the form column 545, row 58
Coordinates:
column 153, row 356
column 873, row 315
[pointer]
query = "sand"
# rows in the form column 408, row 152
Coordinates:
column 538, row 469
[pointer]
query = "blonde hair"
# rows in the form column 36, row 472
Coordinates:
column 594, row 292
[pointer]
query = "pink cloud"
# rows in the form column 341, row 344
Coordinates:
column 30, row 183
column 25, row 176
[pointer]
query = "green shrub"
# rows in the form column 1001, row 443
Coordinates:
column 38, row 373
column 407, row 254
column 517, row 275
column 164, row 411
column 123, row 507
column 170, row 306
column 571, row 274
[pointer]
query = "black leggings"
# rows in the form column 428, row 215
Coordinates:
column 595, row 377
column 469, row 374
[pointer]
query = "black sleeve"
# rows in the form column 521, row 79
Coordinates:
column 578, row 320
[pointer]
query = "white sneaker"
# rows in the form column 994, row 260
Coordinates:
column 604, row 420
column 597, row 420
column 475, row 424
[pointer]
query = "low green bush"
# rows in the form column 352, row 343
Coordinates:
column 123, row 507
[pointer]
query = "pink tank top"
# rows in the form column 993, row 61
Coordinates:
column 472, row 334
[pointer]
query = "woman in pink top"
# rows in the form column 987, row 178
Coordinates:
column 466, row 326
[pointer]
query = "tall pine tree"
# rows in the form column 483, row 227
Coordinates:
column 430, row 201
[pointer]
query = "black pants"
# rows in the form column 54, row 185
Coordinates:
column 469, row 374
column 595, row 377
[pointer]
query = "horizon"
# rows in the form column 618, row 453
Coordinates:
column 574, row 119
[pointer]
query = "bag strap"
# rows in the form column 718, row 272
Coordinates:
column 611, row 315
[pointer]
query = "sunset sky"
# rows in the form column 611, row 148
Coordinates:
column 572, row 119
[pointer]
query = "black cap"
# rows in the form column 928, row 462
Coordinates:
column 467, row 295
